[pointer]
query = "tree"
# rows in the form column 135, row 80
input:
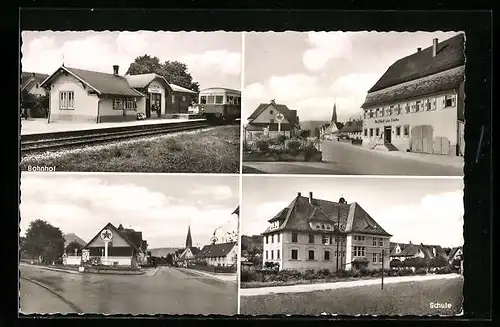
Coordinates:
column 316, row 132
column 438, row 262
column 169, row 260
column 70, row 249
column 44, row 241
column 174, row 71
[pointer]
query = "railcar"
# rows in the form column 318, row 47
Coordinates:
column 220, row 104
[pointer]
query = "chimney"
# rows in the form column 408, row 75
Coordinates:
column 419, row 49
column 434, row 47
column 410, row 242
column 299, row 194
column 115, row 69
column 310, row 198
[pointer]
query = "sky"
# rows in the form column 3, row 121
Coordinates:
column 309, row 71
column 161, row 206
column 213, row 58
column 420, row 210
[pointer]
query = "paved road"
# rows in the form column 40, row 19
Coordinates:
column 346, row 159
column 36, row 299
column 169, row 291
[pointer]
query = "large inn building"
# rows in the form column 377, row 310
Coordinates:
column 315, row 234
column 418, row 104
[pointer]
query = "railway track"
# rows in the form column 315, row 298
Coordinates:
column 56, row 141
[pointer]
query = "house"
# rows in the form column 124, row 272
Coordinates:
column 352, row 128
column 219, row 254
column 188, row 254
column 263, row 121
column 117, row 246
column 456, row 253
column 89, row 96
column 402, row 251
column 418, row 103
column 313, row 234
column 31, row 83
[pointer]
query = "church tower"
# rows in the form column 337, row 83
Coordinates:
column 189, row 240
column 334, row 114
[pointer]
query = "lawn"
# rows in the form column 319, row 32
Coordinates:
column 250, row 170
column 214, row 150
column 407, row 298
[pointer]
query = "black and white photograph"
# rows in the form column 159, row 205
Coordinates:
column 354, row 103
column 128, row 244
column 145, row 101
column 317, row 245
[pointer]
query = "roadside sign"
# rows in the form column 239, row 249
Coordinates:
column 85, row 255
column 279, row 118
column 106, row 235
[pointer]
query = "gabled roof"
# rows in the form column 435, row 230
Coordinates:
column 102, row 83
column 117, row 231
column 290, row 115
column 410, row 250
column 351, row 218
column 28, row 79
column 143, row 80
column 450, row 54
column 216, row 250
column 393, row 246
column 71, row 237
column 453, row 251
column 177, row 88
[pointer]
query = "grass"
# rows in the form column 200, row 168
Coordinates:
column 215, row 150
column 302, row 282
column 407, row 298
column 250, row 170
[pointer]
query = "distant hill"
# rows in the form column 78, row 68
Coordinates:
column 71, row 237
column 163, row 252
column 310, row 125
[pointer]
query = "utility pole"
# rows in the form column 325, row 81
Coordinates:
column 338, row 238
column 382, row 286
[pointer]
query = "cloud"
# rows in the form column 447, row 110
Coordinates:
column 219, row 192
column 211, row 61
column 83, row 205
column 435, row 219
column 325, row 46
column 354, row 84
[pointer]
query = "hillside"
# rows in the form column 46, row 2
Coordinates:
column 310, row 125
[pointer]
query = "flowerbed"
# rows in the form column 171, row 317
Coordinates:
column 281, row 149
column 269, row 277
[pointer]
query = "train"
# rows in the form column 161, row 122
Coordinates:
column 220, row 104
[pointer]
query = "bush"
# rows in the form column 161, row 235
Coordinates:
column 310, row 274
column 246, row 146
column 364, row 272
column 376, row 273
column 345, row 273
column 421, row 271
column 395, row 263
column 290, row 274
column 293, row 145
column 281, row 139
column 324, row 273
column 444, row 270
column 262, row 145
column 405, row 272
column 438, row 262
column 393, row 272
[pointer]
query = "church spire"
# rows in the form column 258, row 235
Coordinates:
column 334, row 114
column 189, row 241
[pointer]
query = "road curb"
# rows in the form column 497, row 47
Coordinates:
column 59, row 296
column 214, row 276
column 307, row 288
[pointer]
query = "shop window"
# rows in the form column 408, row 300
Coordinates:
column 406, row 130
column 398, row 130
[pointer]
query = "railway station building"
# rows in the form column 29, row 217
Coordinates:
column 125, row 247
column 90, row 96
column 418, row 103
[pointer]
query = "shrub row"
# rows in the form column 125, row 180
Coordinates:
column 280, row 145
column 270, row 275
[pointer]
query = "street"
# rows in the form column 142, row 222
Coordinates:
column 346, row 159
column 169, row 291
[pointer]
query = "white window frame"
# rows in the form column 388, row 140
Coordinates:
column 66, row 100
column 374, row 258
column 453, row 101
column 327, row 239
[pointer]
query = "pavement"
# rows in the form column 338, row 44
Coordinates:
column 168, row 291
column 347, row 159
column 231, row 278
column 304, row 288
column 40, row 125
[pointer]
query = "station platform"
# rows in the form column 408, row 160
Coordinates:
column 40, row 125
